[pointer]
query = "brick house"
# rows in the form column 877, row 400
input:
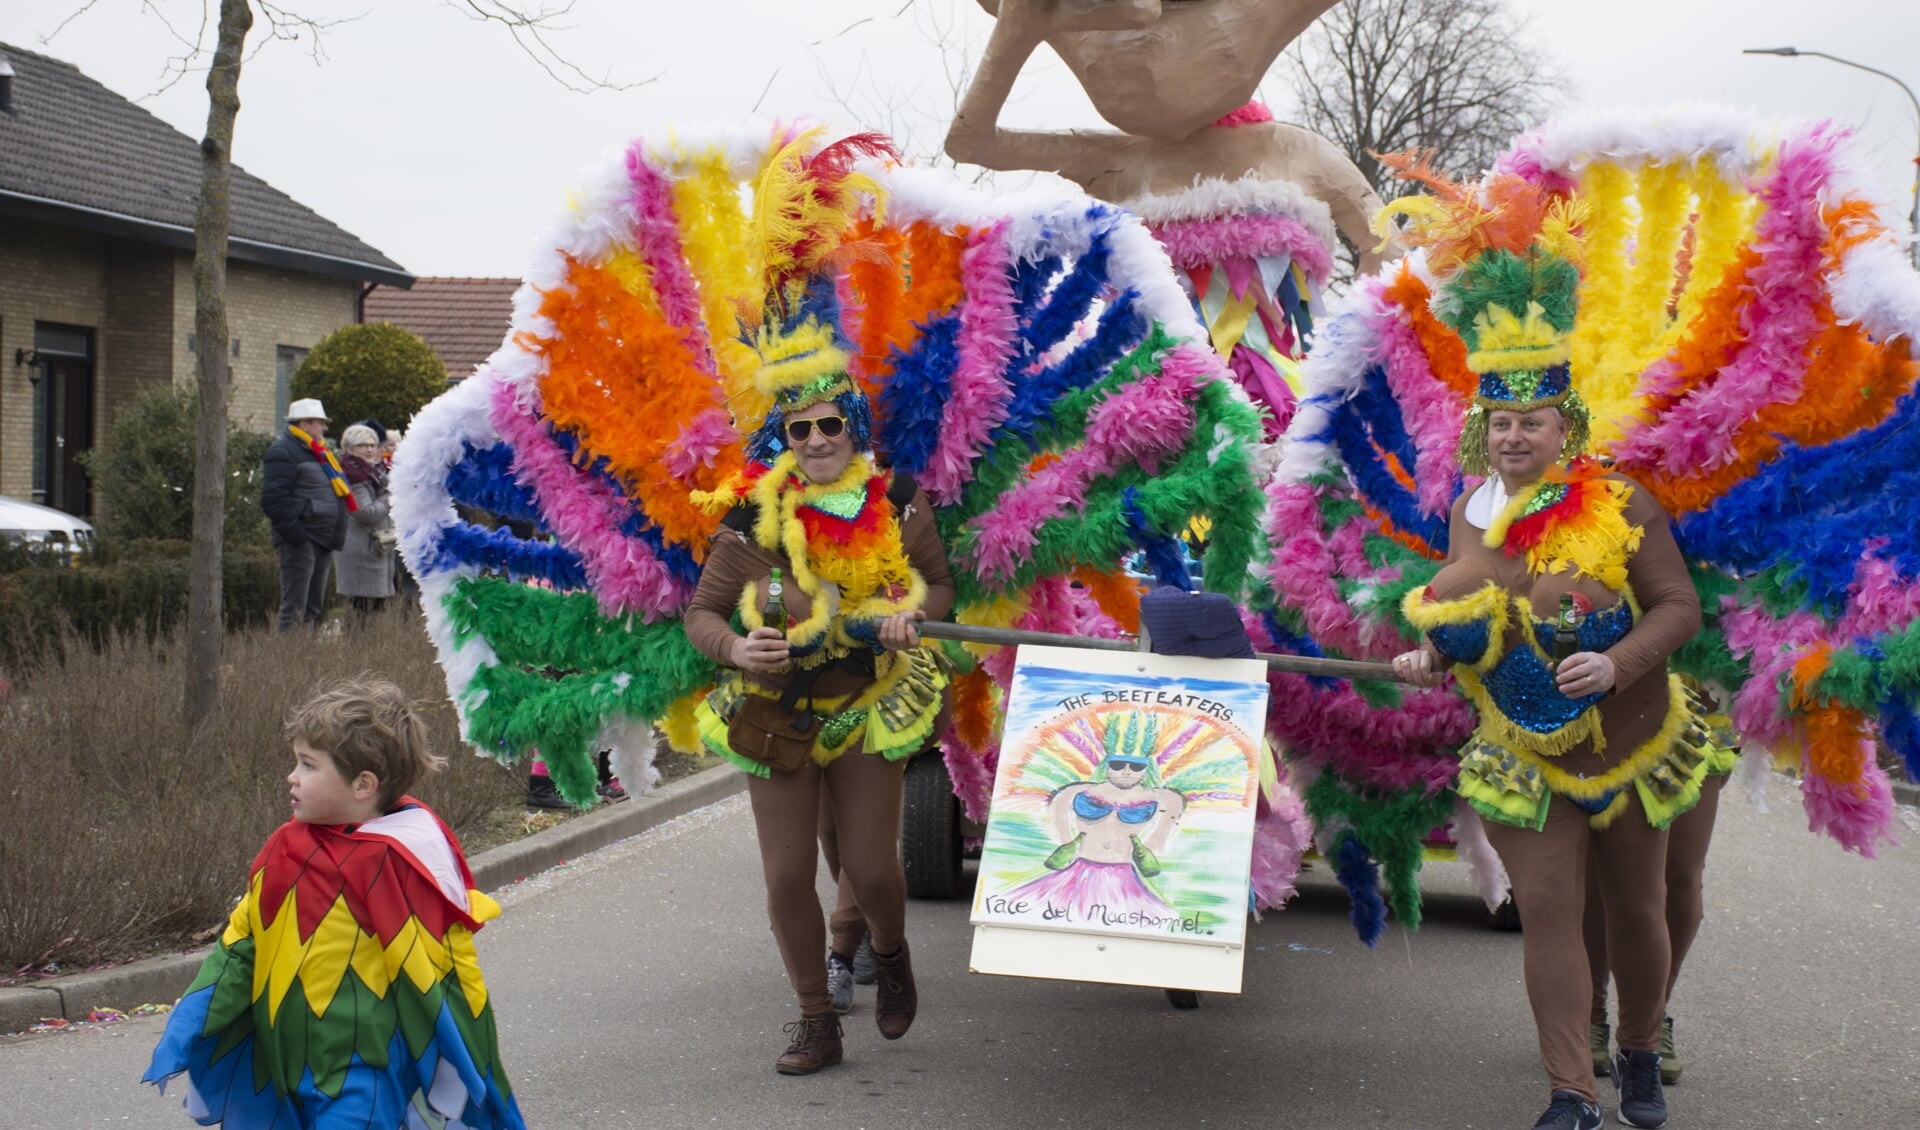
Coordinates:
column 97, row 200
column 463, row 319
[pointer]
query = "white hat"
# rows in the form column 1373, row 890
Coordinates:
column 308, row 409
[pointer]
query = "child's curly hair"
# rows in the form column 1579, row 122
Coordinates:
column 367, row 725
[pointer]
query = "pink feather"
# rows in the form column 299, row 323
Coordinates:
column 1880, row 599
column 699, row 442
column 1282, row 833
column 972, row 777
column 1859, row 816
column 978, row 390
column 1198, row 243
column 1139, row 425
column 1252, row 113
column 657, row 232
column 1433, row 414
column 585, row 513
column 1770, row 646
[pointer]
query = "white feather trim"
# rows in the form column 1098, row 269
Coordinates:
column 1212, row 198
column 1476, row 851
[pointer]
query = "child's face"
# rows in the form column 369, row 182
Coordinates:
column 321, row 795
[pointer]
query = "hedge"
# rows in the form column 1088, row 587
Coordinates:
column 144, row 595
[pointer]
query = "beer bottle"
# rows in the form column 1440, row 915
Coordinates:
column 774, row 614
column 1566, row 630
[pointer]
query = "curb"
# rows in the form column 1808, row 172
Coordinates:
column 165, row 978
column 1906, row 792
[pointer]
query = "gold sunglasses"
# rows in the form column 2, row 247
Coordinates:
column 830, row 427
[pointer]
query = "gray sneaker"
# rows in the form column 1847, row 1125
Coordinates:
column 1570, row 1112
column 840, row 984
column 864, row 969
column 1643, row 1102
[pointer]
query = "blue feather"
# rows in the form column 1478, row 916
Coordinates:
column 1359, row 874
column 1900, row 728
column 1808, row 512
column 822, row 302
column 1119, row 329
column 1354, row 428
column 483, row 480
column 499, row 551
column 913, row 400
column 1069, row 300
column 1030, row 282
column 1163, row 552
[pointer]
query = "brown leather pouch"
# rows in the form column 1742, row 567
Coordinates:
column 762, row 730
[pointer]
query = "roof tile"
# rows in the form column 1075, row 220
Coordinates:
column 71, row 140
column 463, row 319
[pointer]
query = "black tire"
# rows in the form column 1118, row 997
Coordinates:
column 1506, row 916
column 930, row 846
column 1183, row 998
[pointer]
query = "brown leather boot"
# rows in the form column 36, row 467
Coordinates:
column 816, row 1044
column 897, row 1001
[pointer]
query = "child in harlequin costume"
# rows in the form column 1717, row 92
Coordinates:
column 346, row 991
column 1596, row 755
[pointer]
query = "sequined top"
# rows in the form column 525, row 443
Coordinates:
column 1669, row 615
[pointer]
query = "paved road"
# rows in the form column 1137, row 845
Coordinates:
column 639, row 987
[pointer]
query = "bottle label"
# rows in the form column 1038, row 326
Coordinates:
column 773, row 588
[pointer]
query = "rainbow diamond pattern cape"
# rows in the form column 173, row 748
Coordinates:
column 1744, row 342
column 345, row 991
column 1030, row 358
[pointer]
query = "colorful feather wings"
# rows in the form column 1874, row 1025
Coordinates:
column 1031, row 360
column 1744, row 339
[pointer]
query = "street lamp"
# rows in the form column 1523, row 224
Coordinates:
column 1794, row 52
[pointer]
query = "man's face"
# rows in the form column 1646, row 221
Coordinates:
column 315, row 428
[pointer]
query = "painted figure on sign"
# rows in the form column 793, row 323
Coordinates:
column 1112, row 828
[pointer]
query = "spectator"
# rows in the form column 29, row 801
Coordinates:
column 365, row 573
column 306, row 499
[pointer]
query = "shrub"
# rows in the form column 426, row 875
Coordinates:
column 144, row 472
column 124, row 835
column 128, row 589
column 376, row 370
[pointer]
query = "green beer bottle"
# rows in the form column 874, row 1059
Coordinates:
column 774, row 613
column 1566, row 630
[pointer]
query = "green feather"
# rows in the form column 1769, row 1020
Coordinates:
column 1501, row 278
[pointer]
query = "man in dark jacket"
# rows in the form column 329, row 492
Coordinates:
column 308, row 515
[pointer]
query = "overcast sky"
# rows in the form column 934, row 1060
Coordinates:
column 437, row 140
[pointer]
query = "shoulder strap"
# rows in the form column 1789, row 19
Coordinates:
column 902, row 490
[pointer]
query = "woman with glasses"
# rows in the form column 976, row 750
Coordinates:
column 365, row 573
column 839, row 696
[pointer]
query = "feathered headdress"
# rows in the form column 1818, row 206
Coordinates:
column 1508, row 252
column 803, row 205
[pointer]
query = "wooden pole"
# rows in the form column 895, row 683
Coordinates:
column 1011, row 637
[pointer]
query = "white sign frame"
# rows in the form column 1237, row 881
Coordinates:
column 1227, row 699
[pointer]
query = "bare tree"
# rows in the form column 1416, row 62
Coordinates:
column 1455, row 77
column 917, row 113
column 211, row 224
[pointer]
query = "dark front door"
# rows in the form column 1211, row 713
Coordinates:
column 70, row 432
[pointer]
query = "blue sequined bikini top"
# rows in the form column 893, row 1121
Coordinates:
column 1090, row 807
column 1521, row 681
